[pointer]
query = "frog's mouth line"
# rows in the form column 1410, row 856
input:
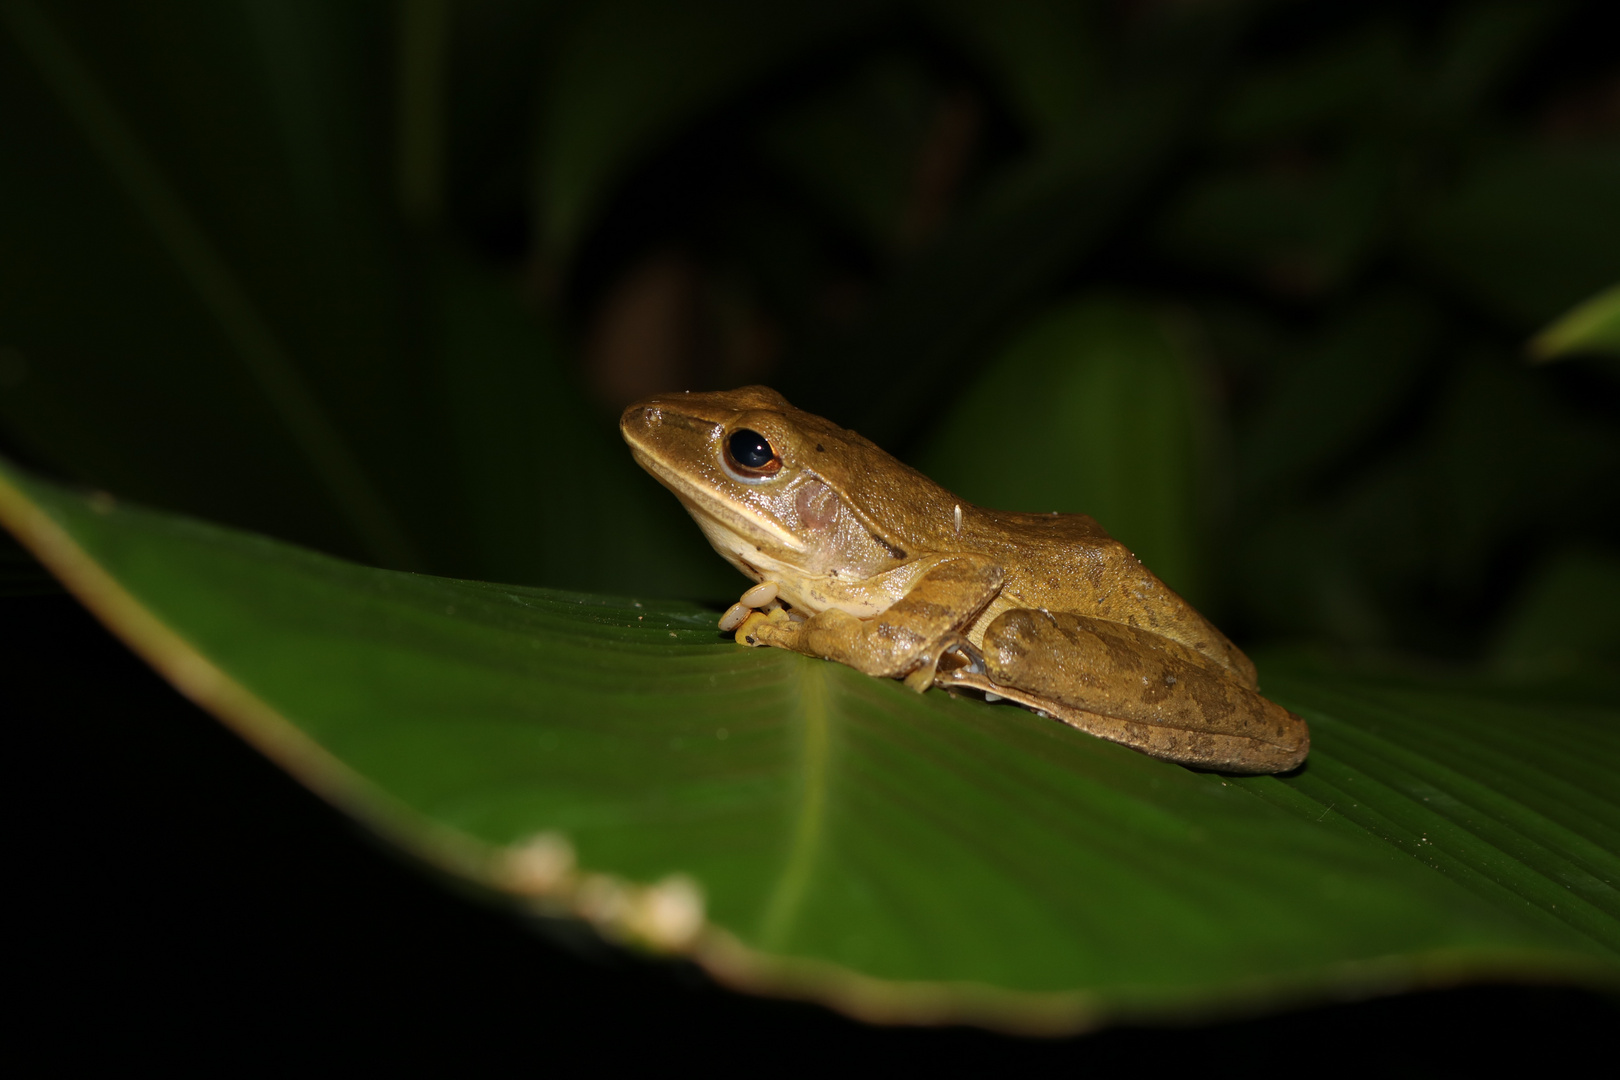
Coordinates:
column 698, row 500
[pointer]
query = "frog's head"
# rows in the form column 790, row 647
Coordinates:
column 772, row 487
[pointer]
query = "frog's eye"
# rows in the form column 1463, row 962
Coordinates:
column 750, row 453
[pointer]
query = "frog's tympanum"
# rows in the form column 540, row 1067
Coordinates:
column 862, row 560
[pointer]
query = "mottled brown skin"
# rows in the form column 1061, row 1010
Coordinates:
column 882, row 569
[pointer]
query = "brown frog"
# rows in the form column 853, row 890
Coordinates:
column 860, row 559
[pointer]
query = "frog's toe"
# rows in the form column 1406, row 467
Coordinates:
column 773, row 627
column 734, row 616
column 761, row 595
column 961, row 658
column 749, row 629
column 921, row 679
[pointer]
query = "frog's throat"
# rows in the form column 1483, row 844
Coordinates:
column 718, row 517
column 751, row 559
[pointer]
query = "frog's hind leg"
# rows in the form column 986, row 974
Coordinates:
column 1137, row 688
column 909, row 637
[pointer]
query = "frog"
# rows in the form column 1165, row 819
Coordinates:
column 856, row 557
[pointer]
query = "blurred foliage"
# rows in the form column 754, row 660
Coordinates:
column 1593, row 327
column 1250, row 281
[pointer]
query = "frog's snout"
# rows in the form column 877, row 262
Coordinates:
column 641, row 416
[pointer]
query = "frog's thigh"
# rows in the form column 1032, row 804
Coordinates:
column 1140, row 689
column 911, row 633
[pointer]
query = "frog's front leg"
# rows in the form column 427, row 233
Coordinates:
column 1135, row 687
column 906, row 639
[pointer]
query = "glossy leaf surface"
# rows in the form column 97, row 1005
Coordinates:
column 902, row 857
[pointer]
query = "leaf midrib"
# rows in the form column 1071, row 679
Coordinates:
column 809, row 825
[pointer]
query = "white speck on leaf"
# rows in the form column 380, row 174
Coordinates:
column 539, row 864
column 669, row 913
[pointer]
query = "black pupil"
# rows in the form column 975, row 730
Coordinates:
column 750, row 450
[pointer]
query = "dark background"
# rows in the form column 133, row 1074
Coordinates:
column 473, row 231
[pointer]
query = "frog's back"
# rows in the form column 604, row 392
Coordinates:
column 1068, row 562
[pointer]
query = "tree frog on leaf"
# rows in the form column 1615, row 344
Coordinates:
column 865, row 561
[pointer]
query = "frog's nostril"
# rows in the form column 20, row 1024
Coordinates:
column 652, row 417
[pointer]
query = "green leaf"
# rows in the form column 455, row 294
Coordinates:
column 1095, row 408
column 798, row 828
column 856, row 147
column 239, row 296
column 1592, row 327
column 550, row 496
column 1350, row 525
column 1035, row 221
column 632, row 71
column 1354, row 80
column 254, row 340
column 1497, row 791
column 1512, row 464
column 1301, row 228
column 1046, row 56
column 1567, row 616
column 1527, row 230
column 943, row 310
column 1482, row 46
column 1338, row 395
